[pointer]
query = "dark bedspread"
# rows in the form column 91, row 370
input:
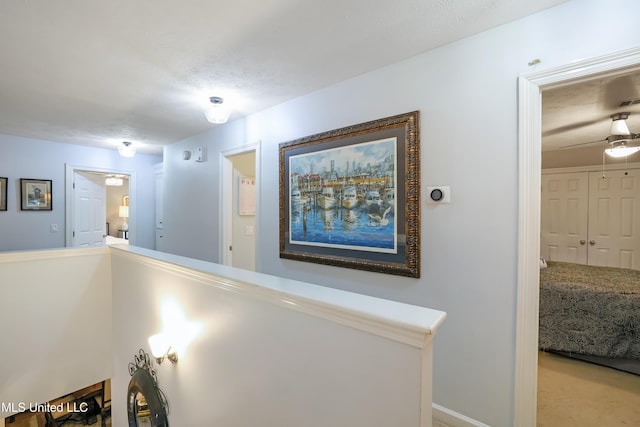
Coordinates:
column 590, row 310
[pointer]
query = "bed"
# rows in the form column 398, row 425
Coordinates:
column 591, row 311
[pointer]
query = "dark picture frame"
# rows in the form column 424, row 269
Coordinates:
column 350, row 197
column 36, row 194
column 3, row 193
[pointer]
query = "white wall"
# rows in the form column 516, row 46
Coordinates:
column 31, row 158
column 467, row 95
column 55, row 323
column 270, row 352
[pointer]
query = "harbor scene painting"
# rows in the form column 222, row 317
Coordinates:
column 345, row 197
column 350, row 197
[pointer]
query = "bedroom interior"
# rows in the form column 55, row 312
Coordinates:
column 590, row 269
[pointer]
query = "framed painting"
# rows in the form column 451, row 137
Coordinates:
column 3, row 193
column 35, row 194
column 350, row 197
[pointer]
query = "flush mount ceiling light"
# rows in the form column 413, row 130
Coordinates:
column 114, row 181
column 126, row 150
column 215, row 110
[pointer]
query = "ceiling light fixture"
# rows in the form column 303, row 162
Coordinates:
column 114, row 181
column 619, row 124
column 126, row 150
column 621, row 149
column 215, row 111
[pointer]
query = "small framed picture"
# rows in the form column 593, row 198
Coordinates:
column 35, row 194
column 3, row 193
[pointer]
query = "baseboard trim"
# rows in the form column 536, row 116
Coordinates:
column 444, row 417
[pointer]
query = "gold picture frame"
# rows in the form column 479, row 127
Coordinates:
column 350, row 197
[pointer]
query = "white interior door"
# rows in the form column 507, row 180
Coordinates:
column 564, row 217
column 89, row 210
column 614, row 219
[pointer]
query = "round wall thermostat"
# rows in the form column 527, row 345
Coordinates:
column 436, row 195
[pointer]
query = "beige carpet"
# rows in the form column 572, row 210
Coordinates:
column 575, row 393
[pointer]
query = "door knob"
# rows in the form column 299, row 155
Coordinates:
column 582, row 242
column 592, row 242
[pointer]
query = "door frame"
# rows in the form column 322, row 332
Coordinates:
column 530, row 87
column 70, row 170
column 225, row 226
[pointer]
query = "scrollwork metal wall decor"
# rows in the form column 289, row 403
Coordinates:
column 146, row 403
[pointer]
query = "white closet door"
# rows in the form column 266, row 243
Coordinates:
column 614, row 219
column 564, row 204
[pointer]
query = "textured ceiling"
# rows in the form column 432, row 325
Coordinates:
column 580, row 113
column 575, row 115
column 100, row 72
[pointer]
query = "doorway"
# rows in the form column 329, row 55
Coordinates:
column 239, row 185
column 530, row 153
column 97, row 212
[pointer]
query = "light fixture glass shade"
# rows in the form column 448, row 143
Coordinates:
column 114, row 181
column 621, row 151
column 126, row 150
column 159, row 345
column 619, row 127
column 215, row 111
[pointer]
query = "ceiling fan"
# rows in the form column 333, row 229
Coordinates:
column 620, row 139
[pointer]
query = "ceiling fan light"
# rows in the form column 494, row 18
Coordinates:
column 126, row 150
column 621, row 151
column 619, row 127
column 215, row 111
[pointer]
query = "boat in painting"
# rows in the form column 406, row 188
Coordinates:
column 327, row 199
column 350, row 198
column 297, row 197
column 390, row 198
column 373, row 200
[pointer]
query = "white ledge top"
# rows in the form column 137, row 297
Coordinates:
column 404, row 322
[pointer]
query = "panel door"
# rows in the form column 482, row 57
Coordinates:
column 564, row 219
column 89, row 210
column 614, row 219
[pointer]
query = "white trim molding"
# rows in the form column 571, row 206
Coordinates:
column 530, row 87
column 405, row 323
column 444, row 417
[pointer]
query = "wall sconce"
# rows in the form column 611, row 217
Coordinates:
column 161, row 348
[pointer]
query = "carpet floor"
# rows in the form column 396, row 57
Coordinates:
column 576, row 393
